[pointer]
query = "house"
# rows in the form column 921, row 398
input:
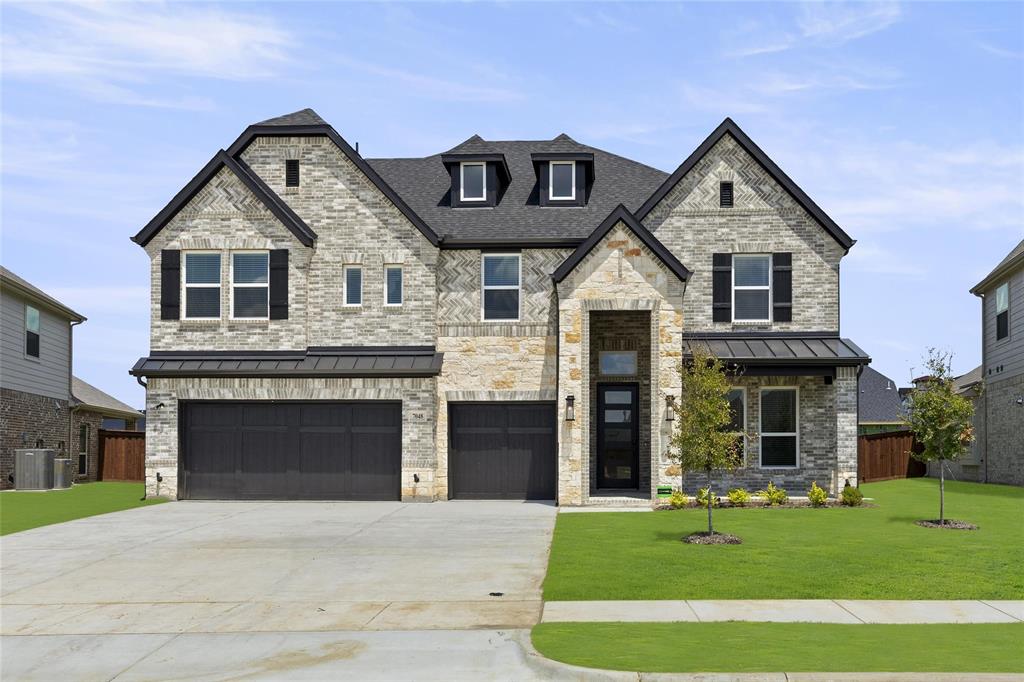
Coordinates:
column 90, row 408
column 35, row 371
column 1000, row 407
column 505, row 319
column 880, row 408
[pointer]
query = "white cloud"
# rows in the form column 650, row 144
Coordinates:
column 114, row 52
column 1001, row 51
column 437, row 88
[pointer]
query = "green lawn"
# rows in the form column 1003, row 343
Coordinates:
column 784, row 647
column 863, row 553
column 21, row 510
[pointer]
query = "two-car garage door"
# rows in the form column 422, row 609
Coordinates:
column 292, row 450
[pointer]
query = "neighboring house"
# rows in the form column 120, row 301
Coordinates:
column 1001, row 404
column 35, row 371
column 502, row 320
column 90, row 408
column 881, row 407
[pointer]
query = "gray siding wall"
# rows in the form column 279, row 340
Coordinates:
column 49, row 375
column 1004, row 359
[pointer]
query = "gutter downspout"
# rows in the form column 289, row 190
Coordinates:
column 558, row 378
column 71, row 369
column 984, row 384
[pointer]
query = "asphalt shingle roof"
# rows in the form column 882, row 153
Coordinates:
column 424, row 184
column 85, row 394
column 1004, row 267
column 9, row 277
column 880, row 400
column 303, row 117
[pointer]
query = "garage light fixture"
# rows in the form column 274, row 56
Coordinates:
column 570, row 410
column 670, row 408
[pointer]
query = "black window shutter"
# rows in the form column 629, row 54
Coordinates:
column 279, row 284
column 721, row 287
column 725, row 194
column 170, row 284
column 782, row 287
column 291, row 173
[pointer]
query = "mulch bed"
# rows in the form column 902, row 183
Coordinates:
column 703, row 538
column 950, row 524
column 792, row 504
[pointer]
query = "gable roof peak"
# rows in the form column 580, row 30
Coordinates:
column 562, row 137
column 302, row 117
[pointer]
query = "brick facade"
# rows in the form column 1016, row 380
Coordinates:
column 94, row 421
column 28, row 420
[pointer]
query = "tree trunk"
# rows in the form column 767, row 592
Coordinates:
column 711, row 530
column 942, row 492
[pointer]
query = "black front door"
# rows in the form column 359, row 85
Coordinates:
column 618, row 436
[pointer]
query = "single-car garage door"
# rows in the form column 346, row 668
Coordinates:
column 502, row 450
column 291, row 450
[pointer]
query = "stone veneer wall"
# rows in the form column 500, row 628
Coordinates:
column 419, row 456
column 619, row 274
column 95, row 421
column 38, row 417
column 764, row 219
column 630, row 331
column 827, row 446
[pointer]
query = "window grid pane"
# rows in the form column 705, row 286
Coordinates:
column 473, row 181
column 751, row 304
column 202, row 268
column 751, row 271
column 251, row 268
column 778, row 411
column 353, row 286
column 736, row 407
column 31, row 319
column 1002, row 298
column 501, row 271
column 202, row 302
column 778, row 451
column 562, row 181
column 251, row 302
column 393, row 277
column 501, row 304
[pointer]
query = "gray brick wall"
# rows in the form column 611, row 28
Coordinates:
column 764, row 219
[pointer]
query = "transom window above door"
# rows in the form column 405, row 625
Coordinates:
column 473, row 181
column 617, row 362
column 751, row 288
column 501, row 285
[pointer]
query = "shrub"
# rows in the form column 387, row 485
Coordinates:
column 773, row 495
column 817, row 496
column 702, row 498
column 739, row 497
column 852, row 497
column 678, row 499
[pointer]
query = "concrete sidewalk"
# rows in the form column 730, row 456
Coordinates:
column 786, row 611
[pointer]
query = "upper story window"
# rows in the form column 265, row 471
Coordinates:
column 353, row 285
column 291, row 173
column 501, row 279
column 392, row 285
column 562, row 181
column 473, row 181
column 250, row 285
column 31, row 331
column 751, row 288
column 1003, row 311
column 779, row 427
column 201, row 280
column 725, row 194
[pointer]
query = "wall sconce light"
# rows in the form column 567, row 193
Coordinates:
column 159, row 406
column 670, row 406
column 570, row 408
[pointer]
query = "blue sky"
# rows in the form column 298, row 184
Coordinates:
column 904, row 122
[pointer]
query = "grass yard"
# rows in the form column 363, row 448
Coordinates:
column 789, row 647
column 832, row 553
column 21, row 510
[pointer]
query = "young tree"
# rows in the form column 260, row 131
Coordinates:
column 940, row 419
column 701, row 440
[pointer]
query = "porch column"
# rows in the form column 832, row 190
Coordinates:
column 573, row 474
column 845, row 386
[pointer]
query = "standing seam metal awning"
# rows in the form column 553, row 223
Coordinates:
column 767, row 350
column 400, row 361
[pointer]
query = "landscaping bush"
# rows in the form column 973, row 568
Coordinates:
column 739, row 497
column 678, row 499
column 852, row 497
column 817, row 496
column 773, row 495
column 702, row 498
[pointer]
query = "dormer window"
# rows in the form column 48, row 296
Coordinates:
column 473, row 181
column 562, row 181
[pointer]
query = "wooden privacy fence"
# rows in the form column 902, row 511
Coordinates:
column 885, row 456
column 122, row 455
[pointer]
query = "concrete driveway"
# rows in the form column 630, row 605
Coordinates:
column 223, row 590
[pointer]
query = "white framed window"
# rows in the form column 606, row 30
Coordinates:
column 83, row 449
column 501, row 276
column 562, row 180
column 201, row 282
column 617, row 363
column 393, row 285
column 1003, row 311
column 31, row 331
column 779, row 428
column 473, row 181
column 751, row 288
column 353, row 295
column 737, row 397
column 250, row 285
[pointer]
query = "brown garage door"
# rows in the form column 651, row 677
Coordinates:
column 502, row 450
column 291, row 450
